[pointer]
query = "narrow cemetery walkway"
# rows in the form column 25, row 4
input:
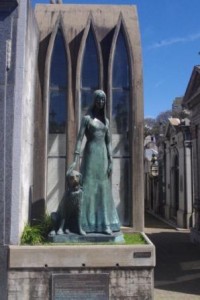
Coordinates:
column 177, row 272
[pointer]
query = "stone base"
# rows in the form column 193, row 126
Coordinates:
column 195, row 236
column 181, row 219
column 184, row 220
column 167, row 211
column 115, row 237
column 124, row 283
column 129, row 269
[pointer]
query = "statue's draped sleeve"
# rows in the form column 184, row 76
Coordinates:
column 84, row 123
column 108, row 140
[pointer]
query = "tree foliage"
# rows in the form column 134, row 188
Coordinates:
column 156, row 126
column 163, row 117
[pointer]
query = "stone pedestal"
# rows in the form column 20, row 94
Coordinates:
column 184, row 219
column 115, row 237
column 180, row 218
column 129, row 269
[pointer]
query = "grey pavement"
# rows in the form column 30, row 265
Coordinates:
column 177, row 272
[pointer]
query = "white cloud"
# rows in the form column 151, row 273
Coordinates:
column 158, row 83
column 172, row 41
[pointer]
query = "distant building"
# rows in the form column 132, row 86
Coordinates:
column 150, row 181
column 177, row 183
column 169, row 194
column 191, row 101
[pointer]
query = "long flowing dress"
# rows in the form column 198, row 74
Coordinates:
column 98, row 211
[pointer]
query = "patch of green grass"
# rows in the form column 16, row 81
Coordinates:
column 36, row 234
column 130, row 239
column 45, row 225
column 31, row 235
column 134, row 238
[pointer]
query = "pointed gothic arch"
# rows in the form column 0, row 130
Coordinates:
column 120, row 94
column 57, row 97
column 89, row 69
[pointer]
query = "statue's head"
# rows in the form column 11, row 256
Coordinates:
column 99, row 99
column 74, row 179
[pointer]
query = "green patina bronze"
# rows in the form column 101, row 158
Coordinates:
column 98, row 212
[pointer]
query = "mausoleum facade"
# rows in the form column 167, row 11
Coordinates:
column 83, row 48
column 51, row 62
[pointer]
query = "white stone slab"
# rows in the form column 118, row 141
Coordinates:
column 55, row 182
column 120, row 188
column 82, row 255
column 57, row 144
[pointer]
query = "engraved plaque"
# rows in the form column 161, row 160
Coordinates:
column 80, row 286
column 142, row 254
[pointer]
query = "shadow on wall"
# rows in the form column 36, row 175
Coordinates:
column 37, row 210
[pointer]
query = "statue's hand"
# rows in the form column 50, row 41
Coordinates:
column 109, row 168
column 71, row 168
column 73, row 165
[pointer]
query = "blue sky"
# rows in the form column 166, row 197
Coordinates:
column 170, row 35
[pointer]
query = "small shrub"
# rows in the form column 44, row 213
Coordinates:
column 46, row 225
column 37, row 234
column 31, row 235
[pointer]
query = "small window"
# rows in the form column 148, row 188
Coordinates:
column 121, row 87
column 90, row 73
column 57, row 111
column 58, row 87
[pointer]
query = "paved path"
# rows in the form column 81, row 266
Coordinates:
column 177, row 272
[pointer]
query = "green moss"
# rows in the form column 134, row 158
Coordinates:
column 134, row 238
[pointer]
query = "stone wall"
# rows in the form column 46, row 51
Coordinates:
column 177, row 179
column 129, row 269
column 8, row 25
column 19, row 42
column 30, row 61
column 26, row 58
column 125, row 284
column 75, row 21
column 18, row 47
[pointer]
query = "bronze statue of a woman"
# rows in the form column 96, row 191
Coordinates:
column 98, row 212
